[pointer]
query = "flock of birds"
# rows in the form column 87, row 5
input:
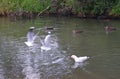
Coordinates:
column 107, row 29
column 84, row 58
column 31, row 37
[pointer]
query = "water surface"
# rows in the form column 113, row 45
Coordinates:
column 18, row 61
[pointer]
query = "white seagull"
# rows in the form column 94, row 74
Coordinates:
column 46, row 45
column 79, row 59
column 31, row 37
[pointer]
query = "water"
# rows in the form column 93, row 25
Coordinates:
column 18, row 61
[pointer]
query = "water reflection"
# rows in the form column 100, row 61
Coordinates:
column 29, row 60
column 1, row 70
column 19, row 61
column 79, row 64
column 30, row 70
column 38, row 64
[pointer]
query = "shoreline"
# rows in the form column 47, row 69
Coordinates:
column 29, row 15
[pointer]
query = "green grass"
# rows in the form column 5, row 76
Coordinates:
column 95, row 7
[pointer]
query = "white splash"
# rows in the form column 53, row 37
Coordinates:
column 30, row 73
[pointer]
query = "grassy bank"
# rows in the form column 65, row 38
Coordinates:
column 80, row 8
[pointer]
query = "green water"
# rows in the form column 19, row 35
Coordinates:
column 18, row 61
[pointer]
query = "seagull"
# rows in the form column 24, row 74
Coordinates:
column 31, row 37
column 79, row 59
column 46, row 45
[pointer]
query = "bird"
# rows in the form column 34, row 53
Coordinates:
column 46, row 44
column 109, row 28
column 49, row 28
column 79, row 59
column 30, row 37
column 77, row 31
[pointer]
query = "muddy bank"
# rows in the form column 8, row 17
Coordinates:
column 29, row 15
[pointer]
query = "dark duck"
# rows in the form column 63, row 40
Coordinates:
column 77, row 31
column 109, row 28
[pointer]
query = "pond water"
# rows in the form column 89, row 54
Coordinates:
column 18, row 61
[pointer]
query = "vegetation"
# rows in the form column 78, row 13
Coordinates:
column 81, row 8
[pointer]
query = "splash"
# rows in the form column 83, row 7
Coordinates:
column 49, row 42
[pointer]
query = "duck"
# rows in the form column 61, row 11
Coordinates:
column 79, row 59
column 77, row 31
column 49, row 28
column 109, row 28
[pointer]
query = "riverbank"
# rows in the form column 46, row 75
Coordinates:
column 82, row 9
column 28, row 15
